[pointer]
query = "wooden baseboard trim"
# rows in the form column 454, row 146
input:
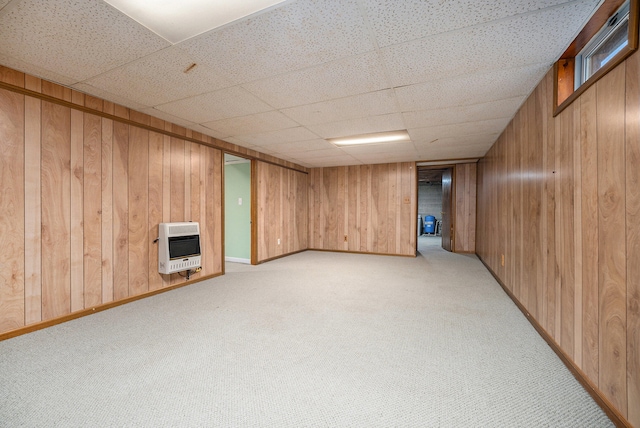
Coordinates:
column 280, row 256
column 83, row 313
column 616, row 417
column 361, row 252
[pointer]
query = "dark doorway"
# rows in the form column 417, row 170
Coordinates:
column 435, row 199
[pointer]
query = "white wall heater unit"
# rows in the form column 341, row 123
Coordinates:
column 178, row 247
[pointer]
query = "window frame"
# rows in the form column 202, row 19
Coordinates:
column 606, row 32
column 564, row 69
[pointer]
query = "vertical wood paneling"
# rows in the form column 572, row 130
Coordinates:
column 12, row 215
column 408, row 222
column 611, row 237
column 177, row 187
column 577, row 236
column 465, row 211
column 527, row 231
column 392, row 213
column 32, row 211
column 633, row 236
column 139, row 210
column 589, row 211
column 215, row 189
column 588, row 226
column 77, row 207
column 210, row 215
column 156, row 151
column 56, row 207
column 107, row 210
column 282, row 194
column 550, row 194
column 194, row 158
column 12, row 77
column 166, row 179
column 302, row 211
column 564, row 216
column 177, row 180
column 92, row 220
column 120, row 210
column 187, row 181
column 203, row 198
column 535, row 205
column 372, row 205
column 83, row 195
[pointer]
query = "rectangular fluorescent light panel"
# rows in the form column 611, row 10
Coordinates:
column 176, row 21
column 378, row 137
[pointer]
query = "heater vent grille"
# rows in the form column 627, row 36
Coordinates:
column 186, row 229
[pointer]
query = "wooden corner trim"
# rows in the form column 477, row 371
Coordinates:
column 616, row 417
column 89, row 311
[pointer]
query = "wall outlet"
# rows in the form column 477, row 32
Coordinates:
column 345, row 238
column 278, row 241
column 502, row 259
column 239, row 201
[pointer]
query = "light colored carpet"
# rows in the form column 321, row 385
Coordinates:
column 316, row 339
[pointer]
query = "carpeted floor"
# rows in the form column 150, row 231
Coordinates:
column 312, row 340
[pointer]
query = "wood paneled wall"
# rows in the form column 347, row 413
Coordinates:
column 282, row 211
column 560, row 199
column 366, row 208
column 465, row 208
column 81, row 199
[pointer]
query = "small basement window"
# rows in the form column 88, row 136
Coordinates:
column 610, row 36
column 604, row 46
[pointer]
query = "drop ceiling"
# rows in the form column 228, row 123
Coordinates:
column 282, row 81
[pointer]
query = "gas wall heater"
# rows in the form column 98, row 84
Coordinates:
column 178, row 247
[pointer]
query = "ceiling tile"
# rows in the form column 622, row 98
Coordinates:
column 480, row 141
column 322, row 153
column 358, row 106
column 294, row 36
column 207, row 131
column 364, row 125
column 237, row 141
column 429, row 134
column 78, row 39
column 253, row 124
column 281, row 136
column 328, row 161
column 471, row 89
column 454, row 152
column 221, row 104
column 3, row 3
column 35, row 70
column 296, row 147
column 461, row 114
column 166, row 116
column 403, row 147
column 397, row 21
column 375, row 159
column 115, row 98
column 503, row 44
column 350, row 76
column 160, row 78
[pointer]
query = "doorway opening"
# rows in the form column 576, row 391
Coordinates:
column 434, row 206
column 237, row 209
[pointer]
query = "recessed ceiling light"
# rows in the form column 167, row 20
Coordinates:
column 179, row 20
column 379, row 137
